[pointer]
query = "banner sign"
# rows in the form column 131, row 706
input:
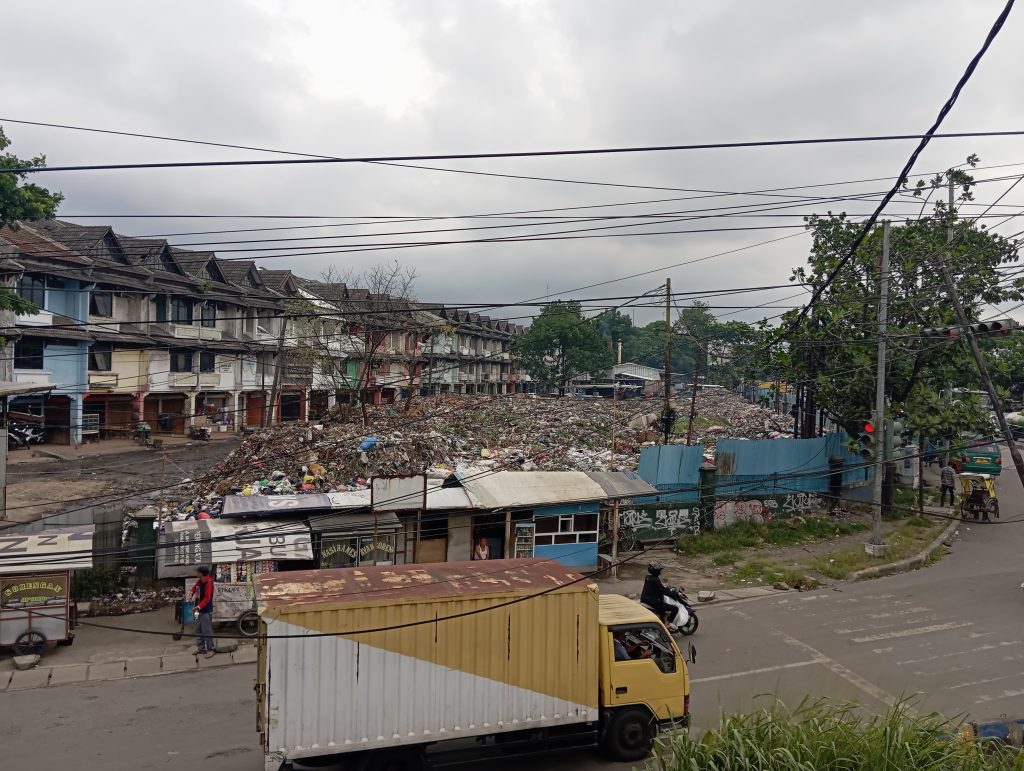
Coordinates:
column 206, row 541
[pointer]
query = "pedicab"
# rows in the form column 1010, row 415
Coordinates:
column 979, row 497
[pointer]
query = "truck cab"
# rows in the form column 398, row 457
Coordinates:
column 643, row 678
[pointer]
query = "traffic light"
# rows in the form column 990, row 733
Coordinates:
column 979, row 329
column 867, row 442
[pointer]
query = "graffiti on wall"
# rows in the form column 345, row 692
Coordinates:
column 651, row 523
column 764, row 508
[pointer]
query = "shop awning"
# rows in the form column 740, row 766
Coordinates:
column 66, row 548
column 209, row 541
column 354, row 522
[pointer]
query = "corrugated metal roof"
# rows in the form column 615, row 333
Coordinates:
column 410, row 583
column 447, row 499
column 20, row 551
column 621, row 483
column 512, row 489
column 13, row 389
column 354, row 522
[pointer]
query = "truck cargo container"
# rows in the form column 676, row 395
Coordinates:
column 399, row 667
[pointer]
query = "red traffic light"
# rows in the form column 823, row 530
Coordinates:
column 869, row 428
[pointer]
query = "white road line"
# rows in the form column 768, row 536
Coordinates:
column 854, row 630
column 760, row 671
column 996, row 697
column 980, row 682
column 967, row 652
column 848, row 675
column 913, row 632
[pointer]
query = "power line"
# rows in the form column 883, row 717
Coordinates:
column 533, row 153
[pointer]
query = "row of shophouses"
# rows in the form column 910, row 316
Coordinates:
column 134, row 330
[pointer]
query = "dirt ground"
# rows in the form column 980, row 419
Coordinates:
column 47, row 485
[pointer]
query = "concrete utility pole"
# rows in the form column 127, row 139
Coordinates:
column 668, row 359
column 876, row 547
column 693, row 397
column 279, row 365
column 965, row 324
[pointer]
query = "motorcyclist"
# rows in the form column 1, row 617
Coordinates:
column 654, row 592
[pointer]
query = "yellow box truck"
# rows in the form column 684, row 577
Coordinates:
column 397, row 667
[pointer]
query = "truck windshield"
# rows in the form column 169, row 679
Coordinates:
column 647, row 641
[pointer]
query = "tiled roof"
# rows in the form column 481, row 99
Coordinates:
column 38, row 244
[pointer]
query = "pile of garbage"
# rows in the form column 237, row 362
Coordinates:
column 447, row 433
column 128, row 601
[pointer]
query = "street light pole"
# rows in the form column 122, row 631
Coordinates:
column 876, row 547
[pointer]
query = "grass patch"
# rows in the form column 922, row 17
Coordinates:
column 906, row 540
column 779, row 532
column 724, row 558
column 821, row 735
column 762, row 572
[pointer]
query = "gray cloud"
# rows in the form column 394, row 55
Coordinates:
column 409, row 77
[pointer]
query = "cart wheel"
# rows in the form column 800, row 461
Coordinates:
column 249, row 623
column 29, row 643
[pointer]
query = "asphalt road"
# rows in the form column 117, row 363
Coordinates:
column 950, row 636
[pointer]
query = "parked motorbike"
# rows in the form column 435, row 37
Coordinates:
column 26, row 434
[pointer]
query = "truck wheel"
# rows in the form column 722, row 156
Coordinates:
column 630, row 735
column 393, row 760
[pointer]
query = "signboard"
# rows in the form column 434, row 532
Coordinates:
column 33, row 591
column 65, row 549
column 207, row 541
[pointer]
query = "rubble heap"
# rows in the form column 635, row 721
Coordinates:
column 453, row 432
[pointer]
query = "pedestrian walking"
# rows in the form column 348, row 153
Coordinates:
column 947, row 478
column 202, row 595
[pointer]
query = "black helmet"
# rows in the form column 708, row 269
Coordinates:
column 654, row 568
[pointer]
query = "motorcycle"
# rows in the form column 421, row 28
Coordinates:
column 26, row 434
column 682, row 619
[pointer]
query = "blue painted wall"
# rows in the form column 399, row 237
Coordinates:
column 68, row 365
column 70, row 301
column 577, row 555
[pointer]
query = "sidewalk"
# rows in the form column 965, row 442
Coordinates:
column 102, row 448
column 109, row 654
column 631, row 588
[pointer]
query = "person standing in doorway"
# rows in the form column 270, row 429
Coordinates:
column 202, row 595
column 482, row 551
column 947, row 479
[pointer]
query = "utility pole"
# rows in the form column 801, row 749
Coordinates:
column 876, row 547
column 667, row 414
column 268, row 414
column 965, row 324
column 693, row 397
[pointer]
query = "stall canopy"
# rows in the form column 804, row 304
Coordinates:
column 356, row 522
column 619, row 484
column 66, row 548
column 208, row 541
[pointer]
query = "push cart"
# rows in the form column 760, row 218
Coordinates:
column 36, row 609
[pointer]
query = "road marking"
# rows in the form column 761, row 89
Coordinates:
column 980, row 682
column 848, row 675
column 760, row 671
column 913, row 632
column 960, row 653
column 1003, row 695
column 854, row 630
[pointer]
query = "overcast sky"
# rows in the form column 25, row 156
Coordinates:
column 418, row 77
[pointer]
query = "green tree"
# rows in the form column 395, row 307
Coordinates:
column 835, row 345
column 562, row 344
column 20, row 200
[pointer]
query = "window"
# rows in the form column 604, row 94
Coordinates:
column 161, row 308
column 33, row 289
column 181, row 310
column 28, row 353
column 566, row 529
column 208, row 315
column 100, row 357
column 101, row 304
column 181, row 360
column 207, row 361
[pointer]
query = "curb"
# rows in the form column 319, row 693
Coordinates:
column 909, row 563
column 126, row 669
